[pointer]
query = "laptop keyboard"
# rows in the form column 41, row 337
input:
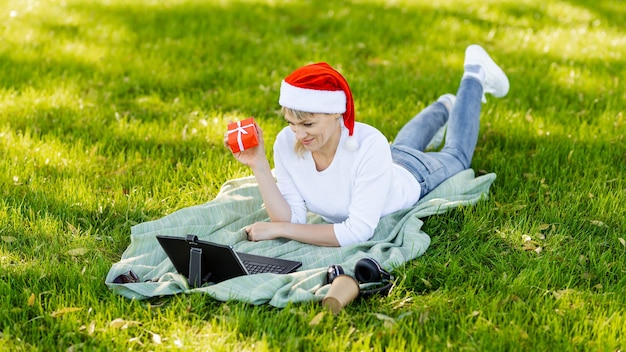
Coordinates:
column 258, row 268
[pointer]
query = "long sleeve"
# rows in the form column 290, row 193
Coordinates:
column 353, row 193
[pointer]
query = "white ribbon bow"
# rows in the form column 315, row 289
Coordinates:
column 240, row 131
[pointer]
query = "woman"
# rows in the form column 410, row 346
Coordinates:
column 345, row 171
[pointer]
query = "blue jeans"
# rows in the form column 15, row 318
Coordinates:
column 432, row 168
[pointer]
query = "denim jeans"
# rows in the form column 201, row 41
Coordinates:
column 432, row 168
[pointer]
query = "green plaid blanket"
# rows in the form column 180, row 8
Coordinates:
column 397, row 240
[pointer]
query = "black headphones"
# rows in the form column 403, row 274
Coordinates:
column 366, row 270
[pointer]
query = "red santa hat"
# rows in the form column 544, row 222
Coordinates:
column 318, row 88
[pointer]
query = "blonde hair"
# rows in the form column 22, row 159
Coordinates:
column 299, row 115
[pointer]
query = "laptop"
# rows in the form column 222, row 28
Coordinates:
column 203, row 261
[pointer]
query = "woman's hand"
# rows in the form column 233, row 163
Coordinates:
column 252, row 157
column 262, row 231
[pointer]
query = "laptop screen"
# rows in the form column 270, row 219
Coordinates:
column 201, row 261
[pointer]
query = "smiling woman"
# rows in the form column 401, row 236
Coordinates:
column 112, row 113
column 313, row 132
column 344, row 170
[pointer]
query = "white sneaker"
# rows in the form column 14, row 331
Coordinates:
column 495, row 82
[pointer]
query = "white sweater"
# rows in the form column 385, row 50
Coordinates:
column 354, row 192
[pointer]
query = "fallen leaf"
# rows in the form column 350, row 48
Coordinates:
column 560, row 293
column 178, row 343
column 8, row 239
column 62, row 311
column 404, row 302
column 598, row 223
column 317, row 319
column 77, row 347
column 404, row 315
column 72, row 228
column 31, row 300
column 136, row 339
column 384, row 317
column 77, row 252
column 516, row 207
column 423, row 317
column 510, row 208
column 523, row 334
column 588, row 276
column 544, row 227
column 119, row 323
column 538, row 250
column 622, row 241
column 156, row 338
column 91, row 328
column 529, row 117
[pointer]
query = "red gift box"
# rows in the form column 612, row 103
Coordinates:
column 242, row 135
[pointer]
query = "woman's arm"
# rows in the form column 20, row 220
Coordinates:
column 277, row 208
column 317, row 234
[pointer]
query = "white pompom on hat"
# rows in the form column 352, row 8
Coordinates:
column 318, row 88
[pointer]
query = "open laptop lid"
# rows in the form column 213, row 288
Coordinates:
column 207, row 261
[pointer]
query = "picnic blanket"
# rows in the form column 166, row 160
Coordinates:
column 397, row 240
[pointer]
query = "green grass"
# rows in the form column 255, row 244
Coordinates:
column 112, row 113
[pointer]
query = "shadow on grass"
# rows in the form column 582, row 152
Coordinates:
column 228, row 59
column 611, row 12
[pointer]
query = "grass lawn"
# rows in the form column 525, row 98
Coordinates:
column 112, row 113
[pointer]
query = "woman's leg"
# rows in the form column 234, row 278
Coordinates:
column 419, row 131
column 481, row 76
column 432, row 168
column 464, row 123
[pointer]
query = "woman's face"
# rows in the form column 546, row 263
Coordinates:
column 317, row 132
